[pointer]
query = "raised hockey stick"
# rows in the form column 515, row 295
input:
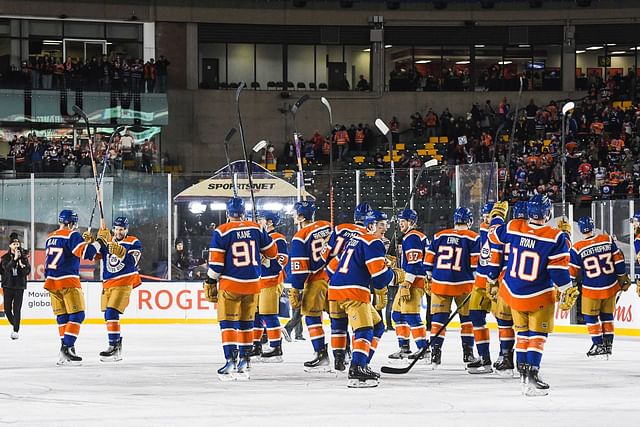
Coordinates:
column 512, row 137
column 394, row 370
column 384, row 130
column 227, row 138
column 327, row 105
column 565, row 109
column 82, row 114
column 296, row 142
column 248, row 166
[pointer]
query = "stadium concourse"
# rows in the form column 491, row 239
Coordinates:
column 168, row 378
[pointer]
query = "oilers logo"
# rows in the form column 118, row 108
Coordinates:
column 114, row 264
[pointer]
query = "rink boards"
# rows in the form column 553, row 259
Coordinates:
column 183, row 302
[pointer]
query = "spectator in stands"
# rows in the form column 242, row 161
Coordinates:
column 342, row 140
column 394, row 126
column 14, row 269
column 431, row 124
column 363, row 84
column 150, row 75
column 161, row 73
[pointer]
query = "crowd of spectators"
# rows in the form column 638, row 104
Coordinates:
column 105, row 74
column 31, row 153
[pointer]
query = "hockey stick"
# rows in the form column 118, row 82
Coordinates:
column 384, row 130
column 327, row 105
column 512, row 137
column 565, row 109
column 82, row 114
column 227, row 138
column 296, row 142
column 248, row 166
column 394, row 370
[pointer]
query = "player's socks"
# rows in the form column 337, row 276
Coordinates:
column 522, row 346
column 245, row 338
column 480, row 332
column 507, row 335
column 466, row 335
column 594, row 328
column 402, row 328
column 112, row 318
column 437, row 320
column 316, row 332
column 72, row 329
column 535, row 349
column 229, row 332
column 274, row 331
column 378, row 331
column 339, row 336
column 62, row 320
column 607, row 331
column 418, row 330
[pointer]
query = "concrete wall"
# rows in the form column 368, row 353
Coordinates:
column 200, row 119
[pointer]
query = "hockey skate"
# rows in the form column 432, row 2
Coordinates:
column 436, row 357
column 534, row 385
column 480, row 366
column 467, row 355
column 403, row 353
column 424, row 358
column 113, row 353
column 369, row 371
column 227, row 372
column 598, row 352
column 256, row 350
column 320, row 362
column 243, row 369
column 504, row 365
column 339, row 363
column 608, row 344
column 68, row 356
column 272, row 356
column 359, row 377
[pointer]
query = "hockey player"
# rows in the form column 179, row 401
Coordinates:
column 338, row 239
column 538, row 259
column 499, row 255
column 480, row 304
column 309, row 278
column 234, row 266
column 120, row 258
column 635, row 222
column 406, row 305
column 361, row 263
column 603, row 275
column 271, row 286
column 64, row 249
column 451, row 260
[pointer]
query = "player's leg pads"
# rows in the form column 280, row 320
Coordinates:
column 316, row 332
column 378, row 331
column 480, row 332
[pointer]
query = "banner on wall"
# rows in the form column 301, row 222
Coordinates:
column 184, row 301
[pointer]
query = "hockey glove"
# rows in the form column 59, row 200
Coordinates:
column 398, row 274
column 564, row 226
column 638, row 287
column 88, row 237
column 500, row 209
column 116, row 249
column 492, row 289
column 390, row 260
column 210, row 290
column 381, row 298
column 295, row 297
column 405, row 291
column 624, row 282
column 104, row 236
column 568, row 298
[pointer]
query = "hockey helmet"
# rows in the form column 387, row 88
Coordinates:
column 409, row 215
column 463, row 215
column 235, row 207
column 361, row 212
column 121, row 221
column 520, row 210
column 586, row 224
column 272, row 216
column 68, row 216
column 305, row 208
column 486, row 209
column 374, row 216
column 539, row 207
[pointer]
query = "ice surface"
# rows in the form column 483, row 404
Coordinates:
column 168, row 377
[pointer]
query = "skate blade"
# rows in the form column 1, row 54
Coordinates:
column 68, row 363
column 318, row 369
column 507, row 373
column 362, row 384
column 434, row 366
column 226, row 377
column 599, row 357
column 477, row 371
column 533, row 392
column 110, row 359
column 243, row 376
column 274, row 359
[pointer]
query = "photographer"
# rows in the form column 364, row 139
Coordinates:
column 14, row 269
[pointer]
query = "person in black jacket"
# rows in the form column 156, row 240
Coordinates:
column 14, row 269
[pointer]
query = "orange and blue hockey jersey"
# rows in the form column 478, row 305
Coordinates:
column 340, row 235
column 484, row 258
column 362, row 263
column 414, row 248
column 452, row 258
column 307, row 244
column 273, row 270
column 116, row 271
column 538, row 259
column 601, row 263
column 64, row 249
column 234, row 255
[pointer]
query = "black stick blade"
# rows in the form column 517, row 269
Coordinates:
column 79, row 111
column 230, row 134
column 298, row 104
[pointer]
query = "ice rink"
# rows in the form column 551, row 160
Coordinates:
column 168, row 377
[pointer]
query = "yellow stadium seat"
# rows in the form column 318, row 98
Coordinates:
column 505, row 138
column 429, row 146
column 271, row 166
column 400, row 147
column 444, row 139
column 370, row 173
column 433, row 139
column 432, row 152
column 626, row 105
column 422, row 152
column 358, row 159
